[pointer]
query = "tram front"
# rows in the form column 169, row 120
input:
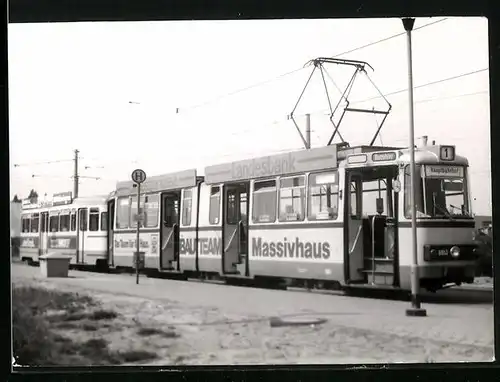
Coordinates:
column 446, row 251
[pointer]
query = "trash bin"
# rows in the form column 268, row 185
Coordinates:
column 54, row 265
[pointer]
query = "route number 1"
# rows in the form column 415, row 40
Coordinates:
column 447, row 153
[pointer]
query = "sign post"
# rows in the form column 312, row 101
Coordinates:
column 415, row 309
column 138, row 176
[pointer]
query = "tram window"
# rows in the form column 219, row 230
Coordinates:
column 187, row 205
column 122, row 212
column 26, row 224
column 64, row 222
column 214, row 209
column 323, row 196
column 34, row 223
column 43, row 227
column 104, row 221
column 151, row 208
column 264, row 201
column 133, row 211
column 73, row 221
column 83, row 220
column 243, row 206
column 354, row 200
column 292, row 199
column 54, row 223
column 94, row 220
column 232, row 210
column 419, row 195
column 371, row 191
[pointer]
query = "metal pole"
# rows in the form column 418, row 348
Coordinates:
column 415, row 309
column 308, row 131
column 75, row 176
column 137, row 244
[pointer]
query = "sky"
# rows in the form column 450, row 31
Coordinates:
column 164, row 95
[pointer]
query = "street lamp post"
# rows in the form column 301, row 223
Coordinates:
column 415, row 310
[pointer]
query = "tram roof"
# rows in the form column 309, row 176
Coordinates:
column 164, row 182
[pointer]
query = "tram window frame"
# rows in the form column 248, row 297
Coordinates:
column 133, row 210
column 419, row 200
column 122, row 219
column 334, row 196
column 26, row 224
column 187, row 207
column 370, row 190
column 54, row 220
column 63, row 222
column 151, row 214
column 83, row 224
column 93, row 223
column 43, row 223
column 213, row 209
column 232, row 209
column 104, row 221
column 301, row 214
column 260, row 187
column 34, row 222
column 73, row 221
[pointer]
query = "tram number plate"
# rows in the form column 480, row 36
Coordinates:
column 442, row 252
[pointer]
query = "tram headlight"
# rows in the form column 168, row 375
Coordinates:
column 455, row 251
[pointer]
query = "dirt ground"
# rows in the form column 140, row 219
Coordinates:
column 182, row 334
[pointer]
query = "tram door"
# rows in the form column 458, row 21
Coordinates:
column 169, row 237
column 81, row 229
column 235, row 229
column 111, row 228
column 372, row 226
column 44, row 237
column 354, row 227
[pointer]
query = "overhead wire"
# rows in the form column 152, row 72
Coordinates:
column 217, row 98
column 388, row 38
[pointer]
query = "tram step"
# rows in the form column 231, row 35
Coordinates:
column 378, row 272
column 379, row 267
column 381, row 279
column 379, row 259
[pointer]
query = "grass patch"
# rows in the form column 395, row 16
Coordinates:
column 36, row 343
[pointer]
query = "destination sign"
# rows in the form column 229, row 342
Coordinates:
column 436, row 171
column 62, row 198
column 177, row 180
column 357, row 158
column 383, row 157
column 274, row 165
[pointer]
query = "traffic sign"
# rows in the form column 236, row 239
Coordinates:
column 138, row 176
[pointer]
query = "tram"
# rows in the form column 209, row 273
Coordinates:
column 73, row 227
column 324, row 217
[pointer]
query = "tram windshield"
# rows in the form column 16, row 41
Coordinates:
column 441, row 192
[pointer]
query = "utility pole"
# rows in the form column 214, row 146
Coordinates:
column 415, row 310
column 308, row 131
column 75, row 176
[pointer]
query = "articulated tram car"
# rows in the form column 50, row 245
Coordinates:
column 77, row 228
column 334, row 215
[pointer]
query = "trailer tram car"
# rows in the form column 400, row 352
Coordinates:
column 325, row 217
column 73, row 227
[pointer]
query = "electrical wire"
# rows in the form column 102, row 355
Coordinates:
column 299, row 69
column 388, row 38
column 424, row 85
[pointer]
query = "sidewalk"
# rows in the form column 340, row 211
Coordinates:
column 454, row 323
